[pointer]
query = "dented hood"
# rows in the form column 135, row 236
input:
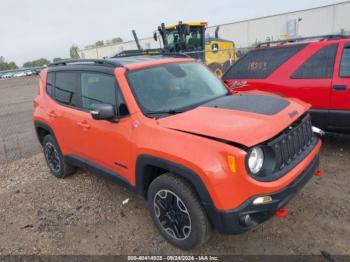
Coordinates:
column 246, row 119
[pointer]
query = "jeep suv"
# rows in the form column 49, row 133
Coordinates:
column 170, row 131
column 315, row 70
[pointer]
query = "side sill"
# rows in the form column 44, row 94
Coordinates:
column 99, row 170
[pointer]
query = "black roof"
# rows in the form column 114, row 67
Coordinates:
column 127, row 60
column 116, row 61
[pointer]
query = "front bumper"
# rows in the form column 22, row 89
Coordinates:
column 232, row 222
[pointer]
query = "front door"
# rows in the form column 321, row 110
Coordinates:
column 312, row 82
column 106, row 144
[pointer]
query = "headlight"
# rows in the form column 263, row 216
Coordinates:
column 256, row 160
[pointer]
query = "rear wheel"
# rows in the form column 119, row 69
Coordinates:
column 177, row 213
column 54, row 158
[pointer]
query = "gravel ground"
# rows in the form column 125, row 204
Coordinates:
column 83, row 214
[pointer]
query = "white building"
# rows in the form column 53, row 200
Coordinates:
column 330, row 19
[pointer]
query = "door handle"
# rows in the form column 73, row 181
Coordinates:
column 52, row 114
column 83, row 124
column 340, row 87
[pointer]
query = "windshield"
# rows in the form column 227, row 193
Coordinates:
column 174, row 87
column 191, row 40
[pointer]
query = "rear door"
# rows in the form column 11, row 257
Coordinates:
column 340, row 97
column 63, row 110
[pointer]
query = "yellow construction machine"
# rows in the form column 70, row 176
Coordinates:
column 190, row 39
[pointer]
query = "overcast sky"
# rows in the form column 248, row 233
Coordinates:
column 30, row 29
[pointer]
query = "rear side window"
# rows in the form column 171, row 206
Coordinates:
column 49, row 84
column 320, row 65
column 260, row 63
column 345, row 62
column 66, row 88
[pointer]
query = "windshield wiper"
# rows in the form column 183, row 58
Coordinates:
column 169, row 112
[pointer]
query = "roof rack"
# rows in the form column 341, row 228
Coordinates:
column 149, row 52
column 103, row 62
column 300, row 39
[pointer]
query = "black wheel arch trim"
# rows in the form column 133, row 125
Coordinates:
column 186, row 173
column 175, row 168
column 40, row 124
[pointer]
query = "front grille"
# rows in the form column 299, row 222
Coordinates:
column 292, row 143
column 288, row 149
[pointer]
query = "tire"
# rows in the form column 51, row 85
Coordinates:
column 177, row 212
column 216, row 69
column 54, row 158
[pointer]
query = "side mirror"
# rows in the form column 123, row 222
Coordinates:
column 155, row 37
column 103, row 112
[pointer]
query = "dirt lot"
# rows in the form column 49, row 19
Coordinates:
column 83, row 214
column 16, row 129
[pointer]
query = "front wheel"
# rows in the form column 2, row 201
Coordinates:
column 177, row 213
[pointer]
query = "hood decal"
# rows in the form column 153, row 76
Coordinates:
column 240, row 126
column 258, row 104
column 214, row 138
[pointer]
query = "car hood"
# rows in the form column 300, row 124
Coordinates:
column 246, row 119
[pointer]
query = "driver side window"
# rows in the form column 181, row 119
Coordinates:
column 98, row 88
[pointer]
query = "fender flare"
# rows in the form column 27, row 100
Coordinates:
column 39, row 124
column 178, row 169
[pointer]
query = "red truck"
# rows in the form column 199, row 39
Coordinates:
column 315, row 70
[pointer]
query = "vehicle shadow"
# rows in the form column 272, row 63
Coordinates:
column 336, row 141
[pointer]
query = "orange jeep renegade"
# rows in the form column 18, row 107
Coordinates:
column 169, row 130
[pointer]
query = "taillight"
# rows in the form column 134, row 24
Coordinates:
column 235, row 83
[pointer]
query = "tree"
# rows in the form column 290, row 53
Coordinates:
column 99, row 43
column 12, row 65
column 28, row 64
column 41, row 62
column 116, row 40
column 37, row 63
column 73, row 52
column 7, row 66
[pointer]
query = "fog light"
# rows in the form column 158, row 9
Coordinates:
column 262, row 200
column 245, row 220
